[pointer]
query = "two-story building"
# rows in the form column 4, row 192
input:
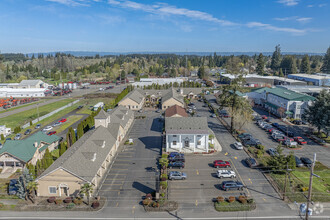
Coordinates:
column 281, row 101
column 134, row 100
column 187, row 134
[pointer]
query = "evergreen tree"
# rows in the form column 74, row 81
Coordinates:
column 276, row 59
column 201, row 72
column 326, row 62
column 260, row 65
column 80, row 131
column 62, row 148
column 48, row 159
column 291, row 161
column 22, row 183
column 305, row 65
column 2, row 137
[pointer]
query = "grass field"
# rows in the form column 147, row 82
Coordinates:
column 21, row 118
column 70, row 121
column 92, row 102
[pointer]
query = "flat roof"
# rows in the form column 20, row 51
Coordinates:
column 325, row 76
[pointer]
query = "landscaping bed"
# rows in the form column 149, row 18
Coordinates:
column 233, row 204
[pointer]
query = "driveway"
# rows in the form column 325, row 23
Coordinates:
column 133, row 173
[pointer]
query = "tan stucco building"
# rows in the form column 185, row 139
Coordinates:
column 171, row 98
column 88, row 160
column 133, row 100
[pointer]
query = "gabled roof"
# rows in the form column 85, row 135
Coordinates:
column 172, row 94
column 186, row 125
column 29, row 82
column 175, row 110
column 120, row 115
column 286, row 94
column 134, row 95
column 25, row 149
column 101, row 115
column 85, row 157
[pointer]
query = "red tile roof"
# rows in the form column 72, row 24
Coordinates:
column 175, row 109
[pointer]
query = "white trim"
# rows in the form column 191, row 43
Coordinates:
column 52, row 187
column 64, row 170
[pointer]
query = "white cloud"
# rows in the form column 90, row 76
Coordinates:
column 288, row 2
column 322, row 5
column 319, row 5
column 165, row 9
column 274, row 28
column 74, row 2
column 295, row 18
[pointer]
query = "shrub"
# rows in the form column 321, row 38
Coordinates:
column 260, row 153
column 250, row 201
column 242, row 199
column 164, row 175
column 51, row 199
column 95, row 204
column 165, row 156
column 161, row 201
column 231, row 199
column 1, row 205
column 162, row 194
column 77, row 201
column 261, row 147
column 211, row 146
column 149, row 196
column 155, row 205
column 146, row 202
column 163, row 184
column 68, row 200
column 70, row 206
column 251, row 150
column 304, row 189
column 220, row 199
column 58, row 201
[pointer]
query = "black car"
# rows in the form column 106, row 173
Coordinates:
column 12, row 189
column 38, row 126
column 290, row 134
column 251, row 142
column 28, row 131
column 251, row 162
column 80, row 107
column 176, row 164
column 177, row 158
column 299, row 163
column 308, row 162
column 276, row 125
column 8, row 139
column 298, row 122
column 227, row 185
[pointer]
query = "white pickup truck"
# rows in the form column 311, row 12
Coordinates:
column 226, row 174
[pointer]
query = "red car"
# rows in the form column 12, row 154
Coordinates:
column 264, row 117
column 300, row 140
column 221, row 163
column 51, row 133
column 62, row 120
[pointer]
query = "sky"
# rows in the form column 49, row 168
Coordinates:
column 28, row 26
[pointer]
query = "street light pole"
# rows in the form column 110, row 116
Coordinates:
column 38, row 110
column 310, row 186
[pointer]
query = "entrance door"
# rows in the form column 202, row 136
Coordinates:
column 186, row 144
column 64, row 191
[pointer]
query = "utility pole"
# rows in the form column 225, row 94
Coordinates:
column 310, row 186
column 38, row 110
column 286, row 178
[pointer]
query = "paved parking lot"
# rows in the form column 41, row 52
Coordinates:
column 202, row 184
column 133, row 171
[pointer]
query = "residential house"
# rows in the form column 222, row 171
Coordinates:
column 87, row 160
column 175, row 111
column 281, row 101
column 133, row 100
column 130, row 78
column 17, row 153
column 187, row 134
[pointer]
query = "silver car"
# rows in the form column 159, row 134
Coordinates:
column 176, row 175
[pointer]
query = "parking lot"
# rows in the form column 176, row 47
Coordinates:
column 202, row 184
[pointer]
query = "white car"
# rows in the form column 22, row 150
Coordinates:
column 226, row 174
column 213, row 116
column 238, row 146
column 48, row 128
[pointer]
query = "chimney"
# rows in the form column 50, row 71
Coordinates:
column 35, row 144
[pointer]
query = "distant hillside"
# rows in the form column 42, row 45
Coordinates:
column 93, row 53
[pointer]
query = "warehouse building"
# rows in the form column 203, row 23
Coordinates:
column 17, row 93
column 318, row 79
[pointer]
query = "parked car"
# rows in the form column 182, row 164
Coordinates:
column 275, row 125
column 63, row 120
column 12, row 189
column 221, row 163
column 37, row 126
column 257, row 118
column 298, row 122
column 238, row 145
column 243, row 135
column 18, row 136
column 51, row 133
column 8, row 139
column 272, row 152
column 308, row 162
column 28, row 131
column 226, row 174
column 213, row 116
column 299, row 163
column 0, row 145
column 56, row 124
column 176, row 158
column 300, row 140
column 227, row 185
column 289, row 143
column 264, row 117
column 176, row 164
column 176, row 175
column 48, row 128
column 174, row 154
column 252, row 142
column 251, row 162
column 158, row 111
column 290, row 134
column 80, row 107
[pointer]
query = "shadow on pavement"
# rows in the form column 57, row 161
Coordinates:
column 143, row 188
column 152, row 142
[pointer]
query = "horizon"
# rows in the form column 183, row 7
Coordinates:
column 166, row 26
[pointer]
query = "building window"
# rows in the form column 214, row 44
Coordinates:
column 164, row 106
column 52, row 189
column 136, row 107
column 174, row 136
column 174, row 142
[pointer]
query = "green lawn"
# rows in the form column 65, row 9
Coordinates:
column 92, row 102
column 20, row 119
column 320, row 184
column 70, row 121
